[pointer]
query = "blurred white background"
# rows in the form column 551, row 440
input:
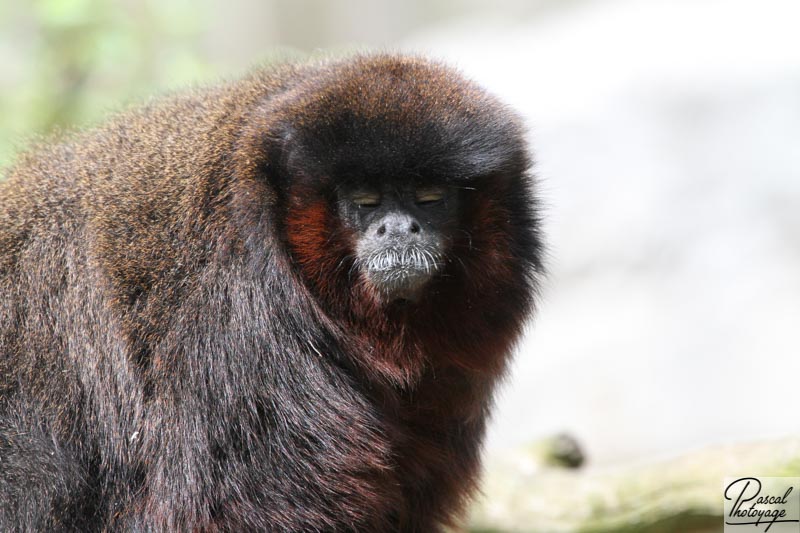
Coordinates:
column 667, row 140
column 667, row 137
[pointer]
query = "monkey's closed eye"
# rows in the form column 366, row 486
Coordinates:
column 367, row 199
column 429, row 195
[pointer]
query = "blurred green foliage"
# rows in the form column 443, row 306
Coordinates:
column 68, row 62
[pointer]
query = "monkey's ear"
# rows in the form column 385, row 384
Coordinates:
column 279, row 151
column 261, row 181
column 290, row 162
column 265, row 148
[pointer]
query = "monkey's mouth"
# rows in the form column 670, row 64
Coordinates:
column 401, row 274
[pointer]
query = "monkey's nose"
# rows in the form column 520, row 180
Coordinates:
column 398, row 225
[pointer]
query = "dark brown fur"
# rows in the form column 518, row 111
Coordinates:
column 183, row 345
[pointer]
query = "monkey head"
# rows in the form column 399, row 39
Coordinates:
column 390, row 174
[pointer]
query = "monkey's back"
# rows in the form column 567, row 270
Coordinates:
column 126, row 200
column 102, row 232
column 156, row 156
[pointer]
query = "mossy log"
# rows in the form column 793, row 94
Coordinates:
column 521, row 494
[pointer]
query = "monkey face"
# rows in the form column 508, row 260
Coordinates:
column 401, row 234
column 397, row 183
